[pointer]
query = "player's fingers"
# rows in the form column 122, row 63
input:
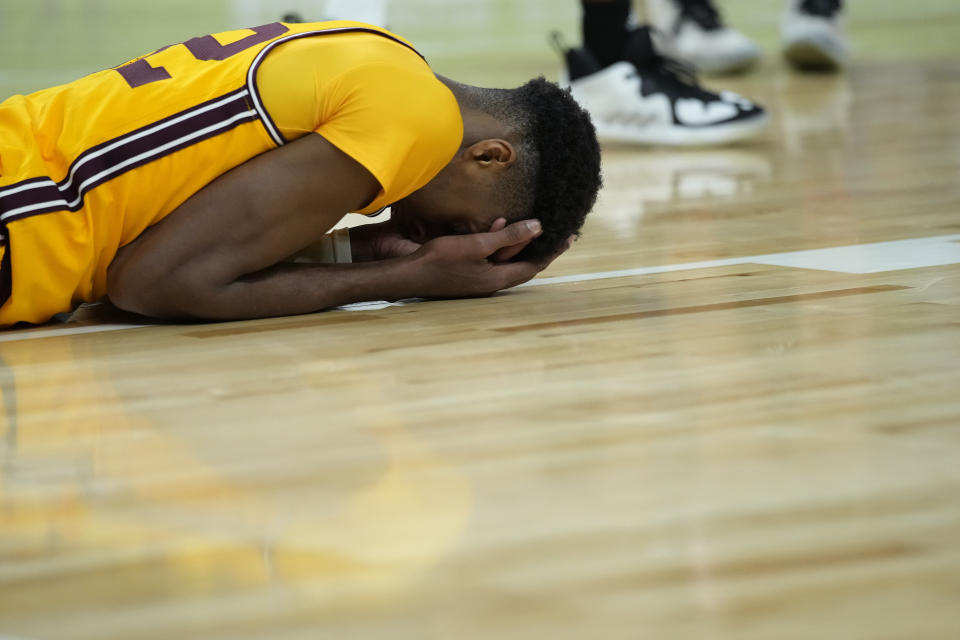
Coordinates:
column 513, row 274
column 498, row 224
column 516, row 273
column 507, row 253
column 519, row 232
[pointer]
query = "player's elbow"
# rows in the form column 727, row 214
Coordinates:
column 168, row 296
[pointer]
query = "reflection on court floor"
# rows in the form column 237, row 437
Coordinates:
column 730, row 411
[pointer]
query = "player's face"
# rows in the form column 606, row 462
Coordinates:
column 420, row 226
column 448, row 205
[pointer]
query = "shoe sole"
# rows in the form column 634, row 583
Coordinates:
column 675, row 136
column 726, row 67
column 808, row 54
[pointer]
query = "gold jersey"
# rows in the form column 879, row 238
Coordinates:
column 86, row 167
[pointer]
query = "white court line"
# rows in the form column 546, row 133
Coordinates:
column 31, row 334
column 876, row 257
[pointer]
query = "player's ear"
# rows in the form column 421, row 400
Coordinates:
column 492, row 153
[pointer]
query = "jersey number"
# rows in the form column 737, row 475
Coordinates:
column 141, row 72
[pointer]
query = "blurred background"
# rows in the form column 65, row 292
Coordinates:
column 491, row 42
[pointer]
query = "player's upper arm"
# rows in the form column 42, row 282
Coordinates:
column 249, row 219
column 374, row 99
column 400, row 125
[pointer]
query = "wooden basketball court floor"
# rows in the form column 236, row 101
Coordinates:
column 731, row 411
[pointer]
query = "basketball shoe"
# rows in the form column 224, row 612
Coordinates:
column 813, row 35
column 694, row 32
column 647, row 98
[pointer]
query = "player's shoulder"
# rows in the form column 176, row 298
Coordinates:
column 413, row 95
column 359, row 42
column 384, row 63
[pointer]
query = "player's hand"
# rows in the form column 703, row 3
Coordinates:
column 380, row 241
column 464, row 265
column 508, row 253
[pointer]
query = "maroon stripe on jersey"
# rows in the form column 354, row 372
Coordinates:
column 128, row 152
column 133, row 147
column 152, row 125
column 147, row 159
column 136, row 143
column 22, row 182
column 50, row 208
column 46, row 193
column 35, row 196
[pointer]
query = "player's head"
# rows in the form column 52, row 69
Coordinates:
column 529, row 152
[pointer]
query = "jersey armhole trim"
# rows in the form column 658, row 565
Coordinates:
column 265, row 118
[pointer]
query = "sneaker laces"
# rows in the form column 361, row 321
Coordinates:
column 823, row 8
column 675, row 78
column 679, row 80
column 700, row 11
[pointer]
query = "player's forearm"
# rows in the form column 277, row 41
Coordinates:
column 445, row 267
column 290, row 289
column 286, row 289
column 452, row 266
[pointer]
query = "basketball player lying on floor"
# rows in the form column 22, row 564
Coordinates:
column 179, row 184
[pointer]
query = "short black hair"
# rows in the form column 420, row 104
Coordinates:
column 566, row 180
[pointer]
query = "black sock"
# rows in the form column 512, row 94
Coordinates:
column 605, row 29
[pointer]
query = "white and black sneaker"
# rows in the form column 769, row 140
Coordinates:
column 649, row 99
column 695, row 33
column 813, row 35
